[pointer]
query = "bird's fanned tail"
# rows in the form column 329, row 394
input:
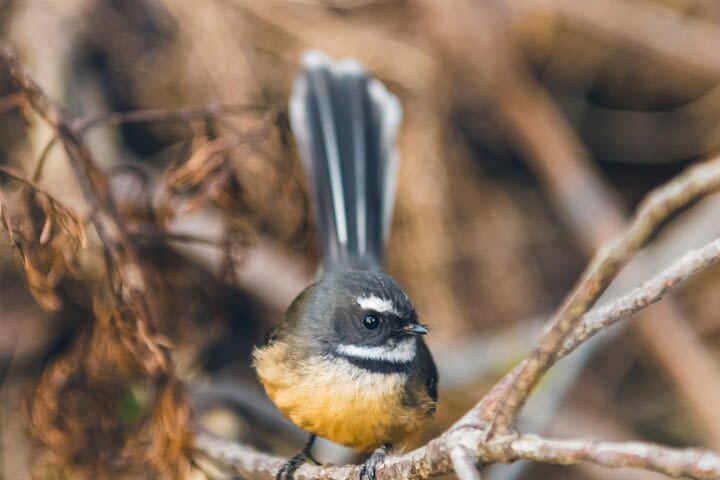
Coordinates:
column 345, row 124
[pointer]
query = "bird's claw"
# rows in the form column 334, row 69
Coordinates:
column 367, row 469
column 287, row 471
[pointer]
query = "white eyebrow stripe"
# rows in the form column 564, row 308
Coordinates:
column 403, row 352
column 380, row 305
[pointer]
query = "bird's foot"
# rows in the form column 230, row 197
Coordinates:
column 287, row 471
column 367, row 469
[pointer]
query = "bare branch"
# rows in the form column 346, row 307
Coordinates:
column 659, row 206
column 691, row 463
column 241, row 459
column 40, row 165
column 464, row 464
column 449, row 453
column 648, row 293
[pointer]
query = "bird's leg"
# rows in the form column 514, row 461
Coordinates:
column 286, row 471
column 367, row 469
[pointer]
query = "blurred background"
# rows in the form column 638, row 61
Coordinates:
column 531, row 130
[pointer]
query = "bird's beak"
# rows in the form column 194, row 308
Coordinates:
column 414, row 329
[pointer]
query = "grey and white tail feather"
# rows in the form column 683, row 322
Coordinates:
column 345, row 124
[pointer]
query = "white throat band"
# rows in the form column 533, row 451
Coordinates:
column 402, row 352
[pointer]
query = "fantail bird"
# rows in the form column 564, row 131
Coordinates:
column 348, row 362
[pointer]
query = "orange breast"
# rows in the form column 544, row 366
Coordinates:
column 338, row 401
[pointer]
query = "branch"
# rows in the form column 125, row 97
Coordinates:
column 692, row 463
column 183, row 114
column 464, row 464
column 660, row 205
column 450, row 450
column 648, row 293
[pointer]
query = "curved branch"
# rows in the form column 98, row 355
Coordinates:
column 658, row 206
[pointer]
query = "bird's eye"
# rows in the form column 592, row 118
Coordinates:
column 371, row 322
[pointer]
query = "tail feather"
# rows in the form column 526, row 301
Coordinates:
column 345, row 124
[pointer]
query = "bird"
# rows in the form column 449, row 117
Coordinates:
column 348, row 362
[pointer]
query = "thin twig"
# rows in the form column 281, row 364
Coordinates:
column 158, row 115
column 648, row 293
column 18, row 176
column 691, row 463
column 40, row 165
